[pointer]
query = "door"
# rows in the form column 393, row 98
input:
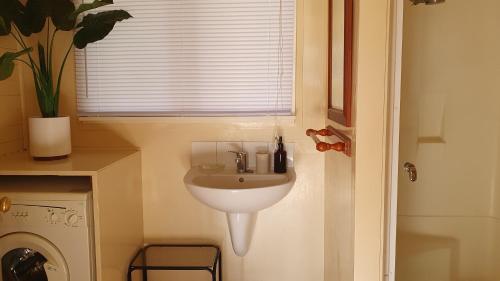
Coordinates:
column 28, row 257
column 448, row 225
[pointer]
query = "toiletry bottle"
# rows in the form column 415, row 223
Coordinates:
column 280, row 158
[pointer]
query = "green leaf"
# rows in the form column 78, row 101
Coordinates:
column 6, row 67
column 41, row 58
column 4, row 27
column 32, row 17
column 39, row 94
column 90, row 6
column 61, row 14
column 7, row 63
column 46, row 100
column 22, row 21
column 37, row 12
column 9, row 9
column 95, row 27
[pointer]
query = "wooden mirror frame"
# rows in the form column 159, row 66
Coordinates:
column 337, row 115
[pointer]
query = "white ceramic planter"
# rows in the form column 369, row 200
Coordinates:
column 49, row 137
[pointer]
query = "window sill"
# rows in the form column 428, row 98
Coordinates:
column 243, row 120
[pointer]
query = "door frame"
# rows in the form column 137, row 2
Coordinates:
column 394, row 131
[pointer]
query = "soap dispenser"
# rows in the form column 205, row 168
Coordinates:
column 280, row 158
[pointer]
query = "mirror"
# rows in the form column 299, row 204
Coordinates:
column 340, row 61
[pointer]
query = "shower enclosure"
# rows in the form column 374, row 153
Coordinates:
column 446, row 226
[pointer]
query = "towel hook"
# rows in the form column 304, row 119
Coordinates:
column 344, row 145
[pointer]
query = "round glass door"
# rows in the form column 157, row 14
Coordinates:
column 28, row 257
column 23, row 264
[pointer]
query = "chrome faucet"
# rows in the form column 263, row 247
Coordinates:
column 241, row 162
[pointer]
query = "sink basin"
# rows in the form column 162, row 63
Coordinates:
column 241, row 196
column 228, row 191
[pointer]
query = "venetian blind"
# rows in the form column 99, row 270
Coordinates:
column 191, row 58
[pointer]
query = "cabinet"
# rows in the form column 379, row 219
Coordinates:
column 115, row 181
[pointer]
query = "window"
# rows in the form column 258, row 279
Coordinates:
column 192, row 58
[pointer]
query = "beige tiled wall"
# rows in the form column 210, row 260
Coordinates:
column 218, row 153
column 11, row 128
column 288, row 240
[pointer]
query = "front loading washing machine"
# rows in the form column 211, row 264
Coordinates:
column 46, row 234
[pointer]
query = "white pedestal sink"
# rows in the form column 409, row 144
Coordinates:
column 240, row 196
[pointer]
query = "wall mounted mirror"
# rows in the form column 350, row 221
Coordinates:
column 340, row 61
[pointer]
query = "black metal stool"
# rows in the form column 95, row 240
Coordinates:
column 177, row 257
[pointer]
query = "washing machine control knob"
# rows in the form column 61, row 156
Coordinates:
column 70, row 218
column 53, row 217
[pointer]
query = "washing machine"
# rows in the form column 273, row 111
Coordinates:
column 46, row 232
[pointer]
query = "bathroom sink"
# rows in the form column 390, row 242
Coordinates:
column 241, row 196
column 228, row 191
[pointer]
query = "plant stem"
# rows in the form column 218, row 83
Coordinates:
column 56, row 107
column 17, row 39
column 25, row 62
column 21, row 41
column 48, row 61
column 47, row 40
column 20, row 37
column 51, row 46
column 33, row 66
column 36, row 72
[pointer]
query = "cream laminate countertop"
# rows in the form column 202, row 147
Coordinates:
column 79, row 163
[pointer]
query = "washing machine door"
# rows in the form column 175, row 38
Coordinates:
column 29, row 257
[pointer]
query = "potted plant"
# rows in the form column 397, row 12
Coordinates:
column 50, row 134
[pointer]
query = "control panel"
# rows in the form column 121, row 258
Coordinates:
column 72, row 215
column 68, row 217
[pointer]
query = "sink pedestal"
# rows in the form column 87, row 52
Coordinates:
column 240, row 196
column 241, row 226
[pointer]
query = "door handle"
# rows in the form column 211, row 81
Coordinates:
column 411, row 170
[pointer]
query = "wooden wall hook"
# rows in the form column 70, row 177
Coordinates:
column 343, row 146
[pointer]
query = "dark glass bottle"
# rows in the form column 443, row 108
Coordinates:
column 280, row 158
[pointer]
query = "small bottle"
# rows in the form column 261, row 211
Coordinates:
column 280, row 158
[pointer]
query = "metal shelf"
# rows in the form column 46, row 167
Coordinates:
column 177, row 257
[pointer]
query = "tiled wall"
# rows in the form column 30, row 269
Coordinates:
column 172, row 214
column 218, row 153
column 11, row 135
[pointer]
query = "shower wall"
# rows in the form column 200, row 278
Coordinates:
column 449, row 220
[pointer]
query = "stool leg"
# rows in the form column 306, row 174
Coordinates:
column 220, row 266
column 129, row 275
column 144, row 274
